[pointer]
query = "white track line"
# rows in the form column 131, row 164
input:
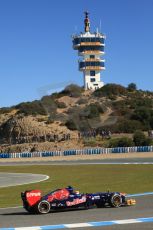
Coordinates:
column 37, row 181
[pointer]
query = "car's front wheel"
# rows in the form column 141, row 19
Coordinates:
column 43, row 207
column 116, row 200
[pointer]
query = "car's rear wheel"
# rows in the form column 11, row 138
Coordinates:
column 116, row 200
column 43, row 207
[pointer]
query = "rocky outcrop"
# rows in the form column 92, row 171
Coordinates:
column 27, row 129
column 42, row 146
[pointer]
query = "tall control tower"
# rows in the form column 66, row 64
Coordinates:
column 90, row 47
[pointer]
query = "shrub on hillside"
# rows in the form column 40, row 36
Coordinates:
column 51, row 118
column 140, row 139
column 151, row 122
column 121, row 108
column 49, row 104
column 82, row 101
column 127, row 126
column 110, row 90
column 61, row 105
column 55, row 95
column 132, row 87
column 135, row 103
column 72, row 91
column 121, row 142
column 148, row 93
column 4, row 110
column 70, row 124
column 144, row 115
column 31, row 108
column 91, row 111
column 126, row 112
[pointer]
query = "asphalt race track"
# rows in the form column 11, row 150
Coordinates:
column 18, row 217
column 125, row 217
column 99, row 161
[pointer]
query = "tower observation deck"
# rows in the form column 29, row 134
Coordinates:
column 90, row 48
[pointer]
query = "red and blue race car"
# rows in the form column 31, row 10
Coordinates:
column 67, row 198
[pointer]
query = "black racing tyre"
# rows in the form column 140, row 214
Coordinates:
column 115, row 200
column 43, row 207
column 29, row 209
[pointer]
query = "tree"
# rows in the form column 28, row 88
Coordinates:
column 144, row 115
column 71, row 125
column 31, row 108
column 72, row 91
column 121, row 142
column 110, row 90
column 140, row 139
column 128, row 126
column 132, row 87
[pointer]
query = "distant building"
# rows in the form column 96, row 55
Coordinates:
column 90, row 47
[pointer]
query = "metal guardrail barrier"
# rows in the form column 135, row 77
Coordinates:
column 89, row 151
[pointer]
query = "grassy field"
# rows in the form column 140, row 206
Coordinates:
column 86, row 178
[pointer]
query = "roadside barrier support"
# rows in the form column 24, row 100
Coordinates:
column 91, row 151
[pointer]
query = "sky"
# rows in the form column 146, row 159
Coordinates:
column 36, row 55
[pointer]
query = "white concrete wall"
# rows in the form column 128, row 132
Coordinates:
column 92, row 85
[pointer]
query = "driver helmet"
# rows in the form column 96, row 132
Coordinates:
column 77, row 192
column 70, row 189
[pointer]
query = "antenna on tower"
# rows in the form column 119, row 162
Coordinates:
column 86, row 22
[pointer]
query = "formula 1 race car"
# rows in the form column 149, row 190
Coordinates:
column 67, row 198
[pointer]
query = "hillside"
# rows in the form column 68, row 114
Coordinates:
column 74, row 118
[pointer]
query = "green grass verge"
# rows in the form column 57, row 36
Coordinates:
column 86, row 178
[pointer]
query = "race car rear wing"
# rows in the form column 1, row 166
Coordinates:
column 32, row 196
